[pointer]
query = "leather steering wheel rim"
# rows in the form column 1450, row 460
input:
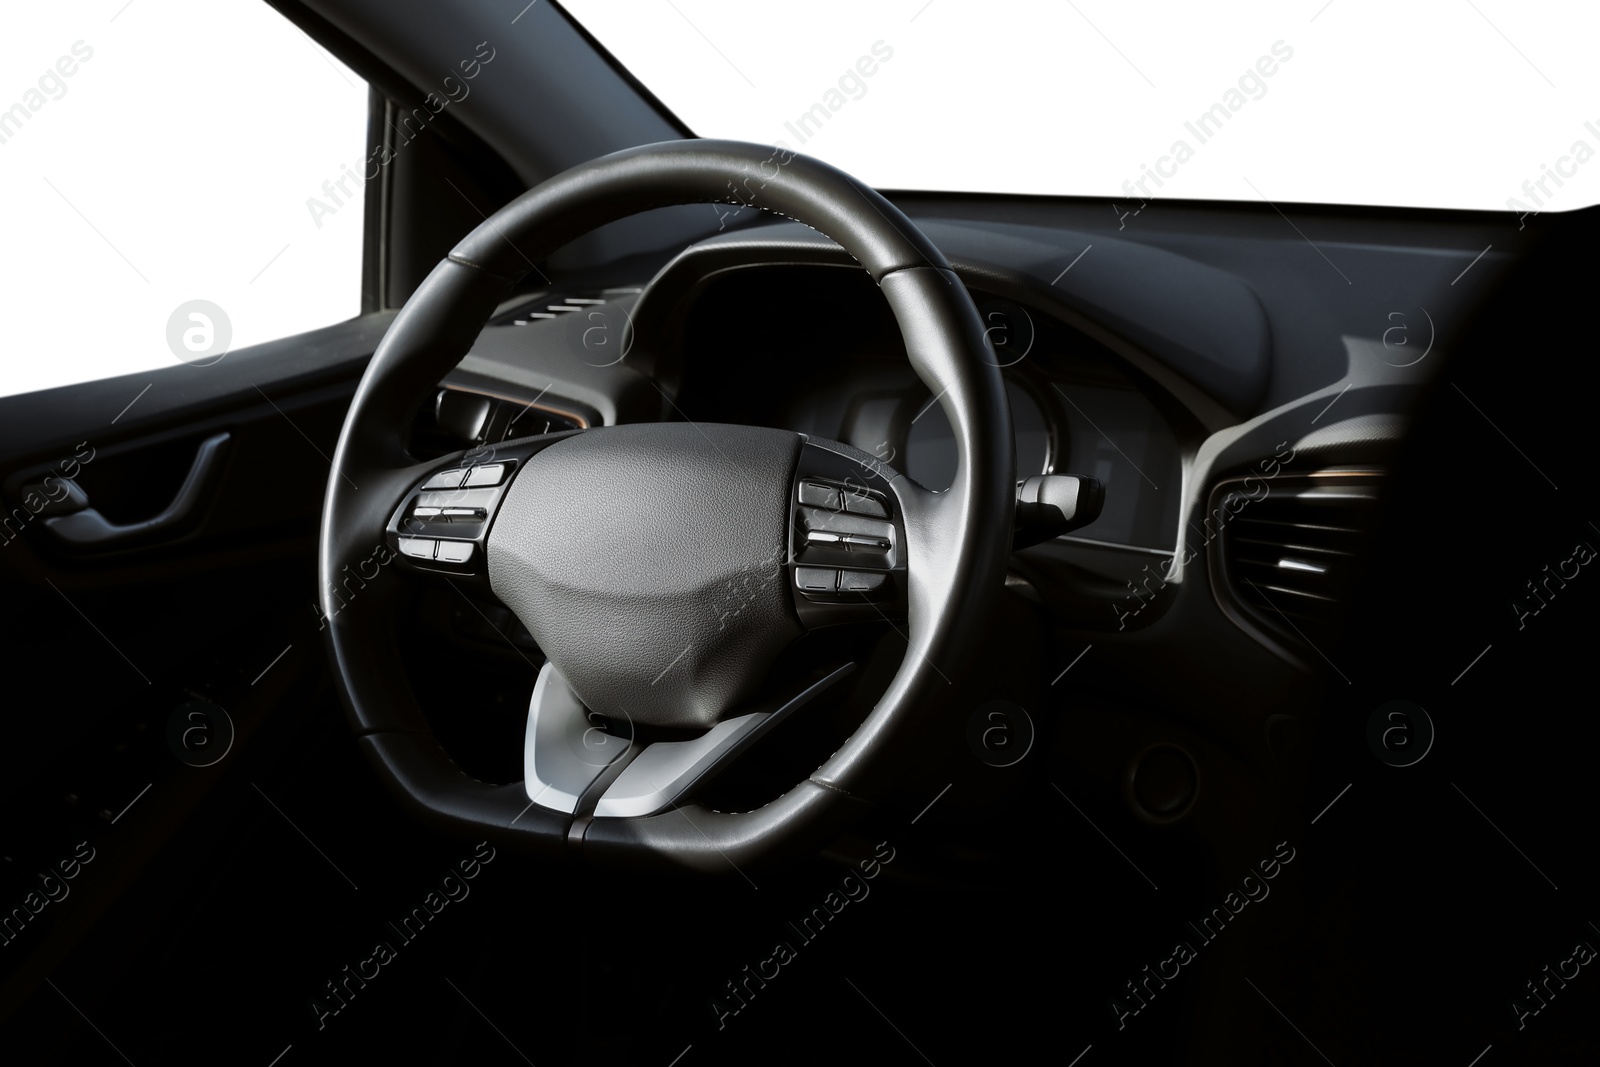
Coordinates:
column 957, row 541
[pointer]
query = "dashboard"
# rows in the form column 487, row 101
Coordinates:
column 1161, row 375
column 815, row 349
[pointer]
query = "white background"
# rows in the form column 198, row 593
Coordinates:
column 184, row 151
column 1432, row 103
column 190, row 141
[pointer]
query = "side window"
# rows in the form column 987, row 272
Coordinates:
column 181, row 179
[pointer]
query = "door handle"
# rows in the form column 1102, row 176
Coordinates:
column 89, row 529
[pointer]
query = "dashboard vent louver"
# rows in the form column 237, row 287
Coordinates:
column 551, row 305
column 1286, row 560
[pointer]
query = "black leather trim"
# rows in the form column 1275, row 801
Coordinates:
column 958, row 541
column 698, row 839
column 428, row 784
column 875, row 232
column 371, row 472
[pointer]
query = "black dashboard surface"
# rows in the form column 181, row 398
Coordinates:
column 1170, row 356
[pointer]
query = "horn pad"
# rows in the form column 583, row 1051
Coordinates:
column 647, row 561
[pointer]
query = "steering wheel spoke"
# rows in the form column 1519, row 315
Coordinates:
column 582, row 764
column 568, row 749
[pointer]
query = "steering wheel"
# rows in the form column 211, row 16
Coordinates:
column 664, row 568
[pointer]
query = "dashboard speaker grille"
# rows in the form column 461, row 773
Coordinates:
column 1290, row 549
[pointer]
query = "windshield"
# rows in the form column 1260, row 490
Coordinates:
column 1480, row 104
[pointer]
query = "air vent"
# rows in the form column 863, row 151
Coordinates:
column 551, row 305
column 1289, row 549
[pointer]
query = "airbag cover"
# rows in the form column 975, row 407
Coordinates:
column 647, row 561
